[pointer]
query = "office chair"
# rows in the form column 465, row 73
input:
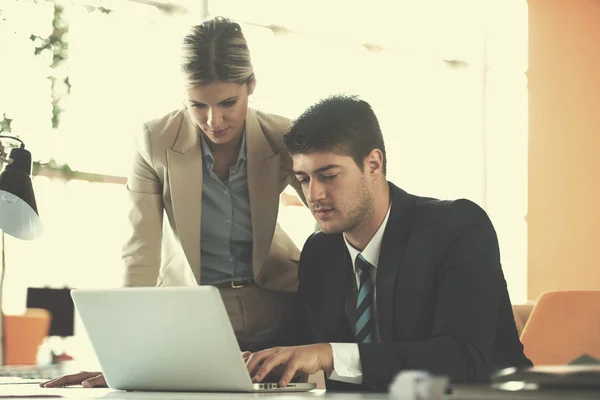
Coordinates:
column 563, row 326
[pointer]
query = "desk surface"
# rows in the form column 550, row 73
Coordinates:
column 460, row 393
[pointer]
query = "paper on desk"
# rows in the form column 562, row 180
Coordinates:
column 30, row 396
column 35, row 391
column 18, row 391
column 15, row 380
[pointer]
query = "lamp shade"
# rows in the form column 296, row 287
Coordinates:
column 18, row 209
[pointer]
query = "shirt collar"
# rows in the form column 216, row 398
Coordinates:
column 211, row 159
column 371, row 252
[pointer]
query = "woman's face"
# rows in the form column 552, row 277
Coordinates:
column 219, row 109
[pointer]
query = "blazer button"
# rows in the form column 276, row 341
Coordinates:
column 263, row 280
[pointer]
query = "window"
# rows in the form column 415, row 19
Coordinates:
column 445, row 78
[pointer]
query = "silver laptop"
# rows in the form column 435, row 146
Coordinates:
column 167, row 339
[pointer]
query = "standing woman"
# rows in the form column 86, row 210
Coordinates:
column 215, row 170
column 204, row 191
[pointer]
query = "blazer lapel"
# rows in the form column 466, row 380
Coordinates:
column 263, row 186
column 184, row 162
column 337, row 270
column 393, row 246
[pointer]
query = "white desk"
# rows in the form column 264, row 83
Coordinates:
column 109, row 394
column 460, row 393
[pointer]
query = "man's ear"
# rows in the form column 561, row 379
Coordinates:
column 374, row 162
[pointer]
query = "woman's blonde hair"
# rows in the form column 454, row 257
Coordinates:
column 216, row 50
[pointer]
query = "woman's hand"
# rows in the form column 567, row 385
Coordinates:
column 84, row 378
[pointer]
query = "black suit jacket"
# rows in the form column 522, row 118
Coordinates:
column 442, row 301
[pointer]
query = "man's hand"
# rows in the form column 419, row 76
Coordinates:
column 86, row 379
column 246, row 355
column 290, row 361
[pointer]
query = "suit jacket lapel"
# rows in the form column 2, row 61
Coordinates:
column 184, row 162
column 263, row 186
column 337, row 269
column 393, row 246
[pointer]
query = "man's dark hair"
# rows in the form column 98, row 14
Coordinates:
column 339, row 123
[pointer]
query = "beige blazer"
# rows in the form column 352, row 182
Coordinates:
column 166, row 181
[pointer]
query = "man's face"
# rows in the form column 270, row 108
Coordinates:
column 338, row 193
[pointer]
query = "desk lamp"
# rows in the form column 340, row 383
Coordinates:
column 18, row 211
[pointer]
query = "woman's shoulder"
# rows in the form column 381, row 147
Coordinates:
column 162, row 132
column 271, row 123
column 167, row 123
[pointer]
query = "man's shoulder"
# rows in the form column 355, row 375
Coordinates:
column 430, row 210
column 454, row 214
column 435, row 205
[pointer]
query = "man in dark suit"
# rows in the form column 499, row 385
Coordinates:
column 393, row 281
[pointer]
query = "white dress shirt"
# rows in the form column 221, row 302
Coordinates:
column 346, row 358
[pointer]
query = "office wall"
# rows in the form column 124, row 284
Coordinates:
column 564, row 145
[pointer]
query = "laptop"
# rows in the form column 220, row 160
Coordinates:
column 167, row 339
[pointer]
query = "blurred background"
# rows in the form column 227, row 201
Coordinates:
column 448, row 80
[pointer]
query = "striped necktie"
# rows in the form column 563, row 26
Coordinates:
column 364, row 302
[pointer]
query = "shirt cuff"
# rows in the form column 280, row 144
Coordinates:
column 346, row 363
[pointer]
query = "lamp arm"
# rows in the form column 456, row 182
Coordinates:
column 14, row 138
column 3, row 156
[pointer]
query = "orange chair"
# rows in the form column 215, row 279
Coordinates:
column 23, row 334
column 521, row 313
column 563, row 325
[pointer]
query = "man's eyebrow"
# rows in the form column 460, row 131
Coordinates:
column 322, row 169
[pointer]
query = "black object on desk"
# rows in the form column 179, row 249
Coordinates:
column 553, row 376
column 59, row 303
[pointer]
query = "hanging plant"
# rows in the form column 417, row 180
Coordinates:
column 57, row 44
